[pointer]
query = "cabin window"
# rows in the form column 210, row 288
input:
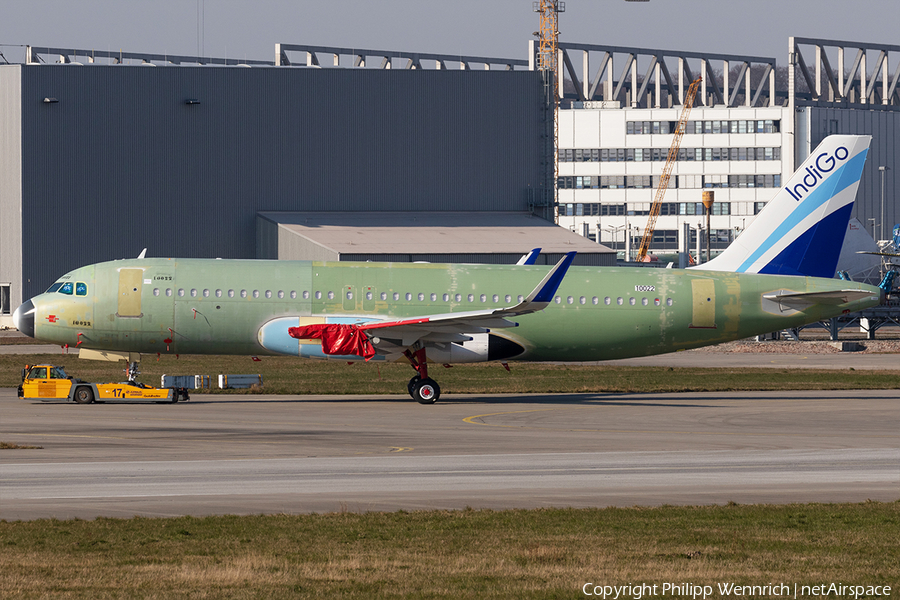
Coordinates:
column 570, row 300
column 396, row 295
column 557, row 300
column 218, row 293
column 446, row 297
column 471, row 297
column 350, row 296
column 433, row 297
column 318, row 295
column 657, row 302
column 620, row 301
column 305, row 295
column 369, row 296
column 632, row 301
column 268, row 293
column 169, row 292
column 644, row 301
column 193, row 292
column 293, row 295
column 331, row 295
column 280, row 294
column 582, row 300
column 156, row 291
column 508, row 298
column 256, row 293
column 521, row 298
column 421, row 297
column 595, row 300
column 496, row 298
column 384, row 295
column 607, row 301
column 458, row 297
column 408, row 296
column 206, row 293
column 80, row 289
column 483, row 298
column 669, row 302
column 180, row 292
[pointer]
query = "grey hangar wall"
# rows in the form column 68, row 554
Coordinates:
column 181, row 159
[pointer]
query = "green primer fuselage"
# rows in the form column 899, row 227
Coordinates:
column 197, row 306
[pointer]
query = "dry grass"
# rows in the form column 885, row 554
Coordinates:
column 287, row 375
column 547, row 553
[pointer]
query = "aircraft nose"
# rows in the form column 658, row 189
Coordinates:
column 23, row 318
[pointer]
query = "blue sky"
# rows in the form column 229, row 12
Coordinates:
column 496, row 28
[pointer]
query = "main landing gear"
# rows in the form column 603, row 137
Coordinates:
column 422, row 389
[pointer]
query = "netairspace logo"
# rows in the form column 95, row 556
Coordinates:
column 729, row 590
column 814, row 174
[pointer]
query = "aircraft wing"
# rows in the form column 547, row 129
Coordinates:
column 395, row 336
column 475, row 321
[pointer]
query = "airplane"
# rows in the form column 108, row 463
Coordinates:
column 459, row 313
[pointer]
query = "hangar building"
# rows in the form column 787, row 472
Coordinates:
column 98, row 161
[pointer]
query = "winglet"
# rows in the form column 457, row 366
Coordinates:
column 546, row 289
column 530, row 258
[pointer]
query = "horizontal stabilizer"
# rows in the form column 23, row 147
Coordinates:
column 833, row 297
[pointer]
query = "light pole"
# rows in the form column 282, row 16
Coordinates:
column 614, row 229
column 882, row 168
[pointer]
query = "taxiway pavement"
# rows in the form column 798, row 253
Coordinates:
column 291, row 454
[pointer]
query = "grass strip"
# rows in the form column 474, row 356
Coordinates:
column 287, row 375
column 545, row 553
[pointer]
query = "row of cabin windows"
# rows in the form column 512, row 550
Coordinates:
column 638, row 182
column 741, row 126
column 661, row 154
column 495, row 298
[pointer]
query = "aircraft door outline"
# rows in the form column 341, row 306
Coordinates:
column 703, row 301
column 131, row 284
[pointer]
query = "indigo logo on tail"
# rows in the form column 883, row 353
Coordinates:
column 814, row 173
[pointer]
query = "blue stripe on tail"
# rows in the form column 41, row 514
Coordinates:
column 816, row 252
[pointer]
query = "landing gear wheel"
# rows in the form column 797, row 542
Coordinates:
column 426, row 391
column 84, row 395
column 412, row 384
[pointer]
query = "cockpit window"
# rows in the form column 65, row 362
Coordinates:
column 67, row 288
column 80, row 289
column 54, row 288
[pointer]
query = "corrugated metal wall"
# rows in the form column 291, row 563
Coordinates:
column 122, row 162
column 11, row 183
column 884, row 127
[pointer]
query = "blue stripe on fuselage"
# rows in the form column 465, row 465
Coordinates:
column 844, row 177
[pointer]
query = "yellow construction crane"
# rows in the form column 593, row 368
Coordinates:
column 548, row 62
column 667, row 170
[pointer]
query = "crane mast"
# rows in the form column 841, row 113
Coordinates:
column 548, row 62
column 667, row 170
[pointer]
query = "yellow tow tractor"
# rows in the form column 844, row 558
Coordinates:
column 49, row 382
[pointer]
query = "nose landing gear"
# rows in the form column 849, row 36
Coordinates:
column 423, row 389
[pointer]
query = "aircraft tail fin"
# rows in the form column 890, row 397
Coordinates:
column 801, row 230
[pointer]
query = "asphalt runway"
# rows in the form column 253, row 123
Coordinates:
column 295, row 454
